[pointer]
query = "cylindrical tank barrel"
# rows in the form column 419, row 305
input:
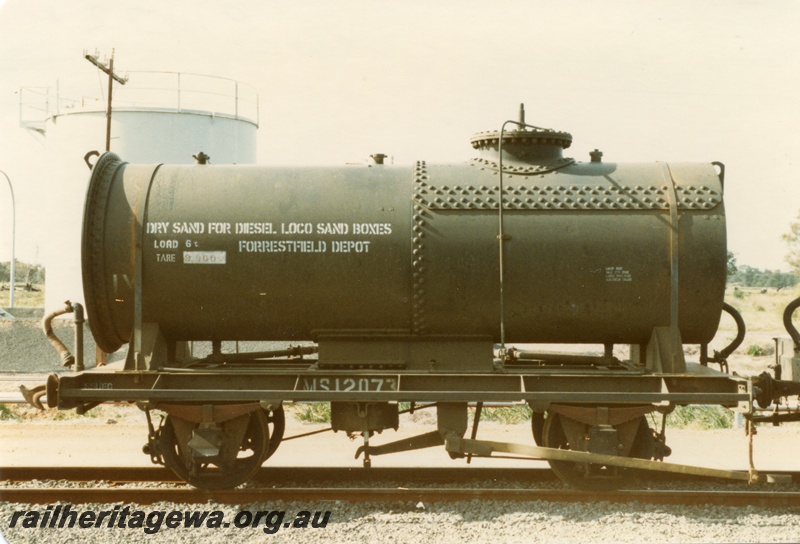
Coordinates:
column 265, row 253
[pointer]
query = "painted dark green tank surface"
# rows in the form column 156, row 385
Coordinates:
column 261, row 253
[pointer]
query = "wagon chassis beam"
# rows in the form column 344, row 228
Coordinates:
column 72, row 390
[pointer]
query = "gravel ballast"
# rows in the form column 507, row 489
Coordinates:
column 490, row 521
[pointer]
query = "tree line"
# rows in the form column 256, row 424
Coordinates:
column 749, row 276
column 24, row 273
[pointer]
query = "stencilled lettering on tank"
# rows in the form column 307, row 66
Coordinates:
column 219, row 228
column 297, row 228
column 282, row 246
column 157, row 227
column 196, row 227
column 254, row 228
column 376, row 229
column 312, row 238
column 350, row 246
column 204, row 257
column 615, row 274
column 165, row 244
column 333, row 228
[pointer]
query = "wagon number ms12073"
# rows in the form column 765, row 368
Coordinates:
column 345, row 383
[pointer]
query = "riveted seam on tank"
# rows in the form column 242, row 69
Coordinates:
column 612, row 197
column 421, row 193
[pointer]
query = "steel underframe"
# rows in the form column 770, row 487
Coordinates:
column 542, row 387
column 225, row 386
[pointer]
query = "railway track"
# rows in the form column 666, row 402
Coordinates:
column 305, row 494
column 113, row 485
column 284, row 475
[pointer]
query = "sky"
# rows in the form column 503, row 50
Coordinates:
column 338, row 80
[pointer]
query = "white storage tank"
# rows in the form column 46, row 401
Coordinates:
column 157, row 117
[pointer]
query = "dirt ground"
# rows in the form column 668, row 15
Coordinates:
column 114, row 436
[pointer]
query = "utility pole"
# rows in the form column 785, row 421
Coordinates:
column 13, row 242
column 112, row 77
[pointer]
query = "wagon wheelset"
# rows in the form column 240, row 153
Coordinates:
column 237, row 461
column 591, row 476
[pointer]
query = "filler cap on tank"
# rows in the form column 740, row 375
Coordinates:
column 201, row 158
column 533, row 145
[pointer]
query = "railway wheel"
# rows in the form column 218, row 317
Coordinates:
column 220, row 457
column 555, row 434
column 537, row 428
column 276, row 420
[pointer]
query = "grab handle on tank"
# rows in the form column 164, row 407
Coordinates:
column 721, row 357
column 721, row 174
column 787, row 322
column 67, row 359
column 89, row 155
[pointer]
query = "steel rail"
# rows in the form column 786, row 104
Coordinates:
column 186, row 495
column 279, row 475
column 274, row 475
column 283, row 475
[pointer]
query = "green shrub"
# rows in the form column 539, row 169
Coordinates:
column 755, row 350
column 316, row 412
column 700, row 417
column 7, row 413
column 509, row 415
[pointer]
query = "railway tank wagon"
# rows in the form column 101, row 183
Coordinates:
column 412, row 284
